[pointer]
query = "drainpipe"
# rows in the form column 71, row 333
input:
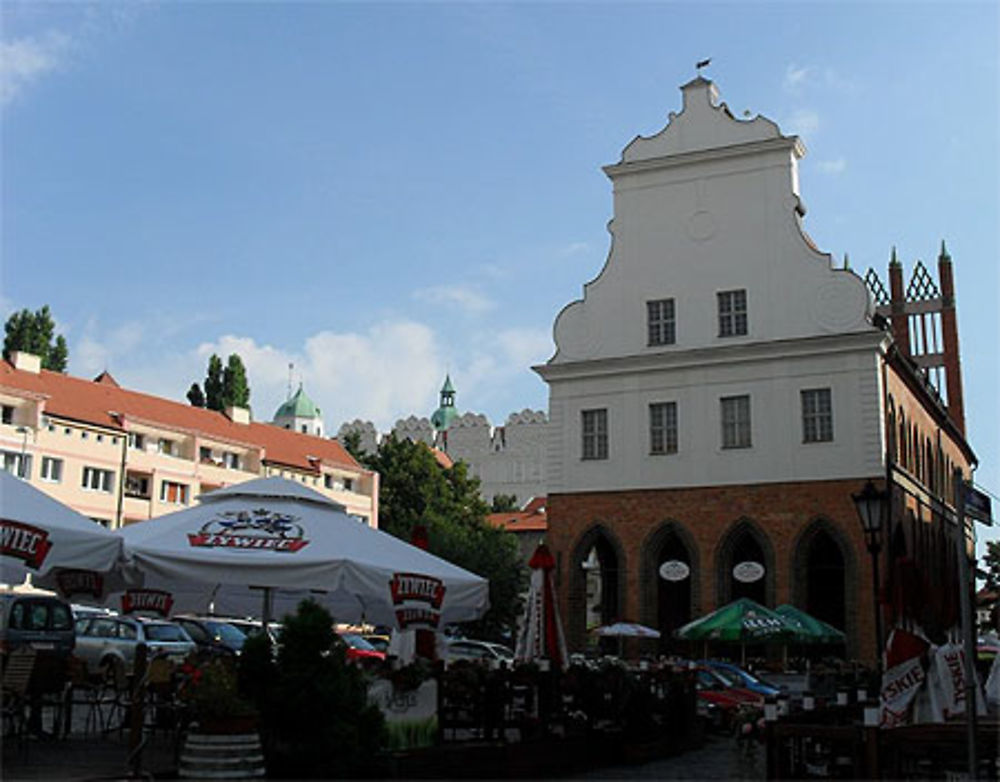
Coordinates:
column 121, row 475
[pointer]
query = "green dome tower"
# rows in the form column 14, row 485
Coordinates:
column 446, row 412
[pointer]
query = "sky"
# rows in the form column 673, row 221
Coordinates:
column 383, row 193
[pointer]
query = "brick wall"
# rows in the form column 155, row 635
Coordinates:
column 782, row 515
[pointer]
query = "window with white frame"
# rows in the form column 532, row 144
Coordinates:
column 137, row 441
column 735, row 421
column 165, row 446
column 663, row 427
column 732, row 313
column 595, row 433
column 18, row 464
column 232, row 460
column 52, row 469
column 96, row 479
column 137, row 485
column 660, row 325
column 817, row 415
column 173, row 493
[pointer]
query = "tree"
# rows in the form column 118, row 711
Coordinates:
column 415, row 489
column 34, row 332
column 352, row 444
column 213, row 384
column 504, row 503
column 235, row 389
column 195, row 396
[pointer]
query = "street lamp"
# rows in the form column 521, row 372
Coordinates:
column 872, row 505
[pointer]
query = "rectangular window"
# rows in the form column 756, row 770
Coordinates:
column 732, row 313
column 663, row 427
column 736, row 422
column 174, row 493
column 232, row 460
column 660, row 322
column 98, row 480
column 205, row 455
column 348, row 484
column 166, row 447
column 7, row 414
column 328, row 481
column 817, row 416
column 137, row 486
column 18, row 464
column 52, row 469
column 137, row 441
column 595, row 434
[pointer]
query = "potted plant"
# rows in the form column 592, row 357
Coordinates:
column 209, row 692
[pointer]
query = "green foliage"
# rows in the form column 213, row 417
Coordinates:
column 33, row 332
column 314, row 705
column 352, row 444
column 235, row 389
column 195, row 396
column 504, row 503
column 992, row 562
column 414, row 489
column 213, row 384
column 210, row 691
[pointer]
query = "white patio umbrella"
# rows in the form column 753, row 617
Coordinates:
column 272, row 541
column 60, row 548
column 541, row 635
column 626, row 630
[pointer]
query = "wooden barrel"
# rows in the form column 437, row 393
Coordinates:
column 238, row 756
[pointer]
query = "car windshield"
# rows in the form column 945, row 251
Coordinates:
column 727, row 678
column 357, row 642
column 164, row 632
column 227, row 633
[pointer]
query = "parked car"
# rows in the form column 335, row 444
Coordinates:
column 213, row 635
column 359, row 650
column 252, row 627
column 482, row 651
column 378, row 641
column 719, row 698
column 743, row 678
column 41, row 622
column 107, row 644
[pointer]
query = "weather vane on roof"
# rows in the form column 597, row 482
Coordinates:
column 702, row 64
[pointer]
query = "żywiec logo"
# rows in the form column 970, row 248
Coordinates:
column 80, row 582
column 252, row 530
column 154, row 600
column 408, row 588
column 25, row 542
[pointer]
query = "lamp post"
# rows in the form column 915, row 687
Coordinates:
column 871, row 504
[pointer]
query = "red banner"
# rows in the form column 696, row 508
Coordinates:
column 23, row 541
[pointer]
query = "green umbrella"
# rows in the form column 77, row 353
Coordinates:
column 742, row 620
column 808, row 628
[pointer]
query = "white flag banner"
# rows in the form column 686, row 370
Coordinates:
column 949, row 679
column 900, row 685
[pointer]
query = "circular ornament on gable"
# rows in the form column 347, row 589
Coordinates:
column 674, row 570
column 748, row 572
column 700, row 226
column 840, row 304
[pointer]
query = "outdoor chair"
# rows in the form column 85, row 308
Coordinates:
column 16, row 680
column 163, row 709
column 88, row 692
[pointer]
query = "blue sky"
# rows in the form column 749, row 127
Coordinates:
column 380, row 193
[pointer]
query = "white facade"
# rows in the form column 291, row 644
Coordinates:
column 708, row 206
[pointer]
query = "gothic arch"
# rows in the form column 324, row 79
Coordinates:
column 613, row 576
column 817, row 535
column 744, row 535
column 669, row 540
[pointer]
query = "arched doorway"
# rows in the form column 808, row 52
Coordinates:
column 596, row 584
column 745, row 565
column 670, row 581
column 825, row 580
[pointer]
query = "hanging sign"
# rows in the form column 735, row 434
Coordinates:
column 674, row 570
column 748, row 572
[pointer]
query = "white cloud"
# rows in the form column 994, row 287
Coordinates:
column 524, row 347
column 25, row 60
column 804, row 122
column 833, row 167
column 573, row 248
column 464, row 297
column 797, row 77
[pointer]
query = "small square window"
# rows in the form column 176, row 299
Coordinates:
column 736, row 422
column 817, row 415
column 663, row 427
column 660, row 324
column 732, row 313
column 595, row 433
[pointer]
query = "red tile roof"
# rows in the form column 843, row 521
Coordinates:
column 102, row 402
column 531, row 519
